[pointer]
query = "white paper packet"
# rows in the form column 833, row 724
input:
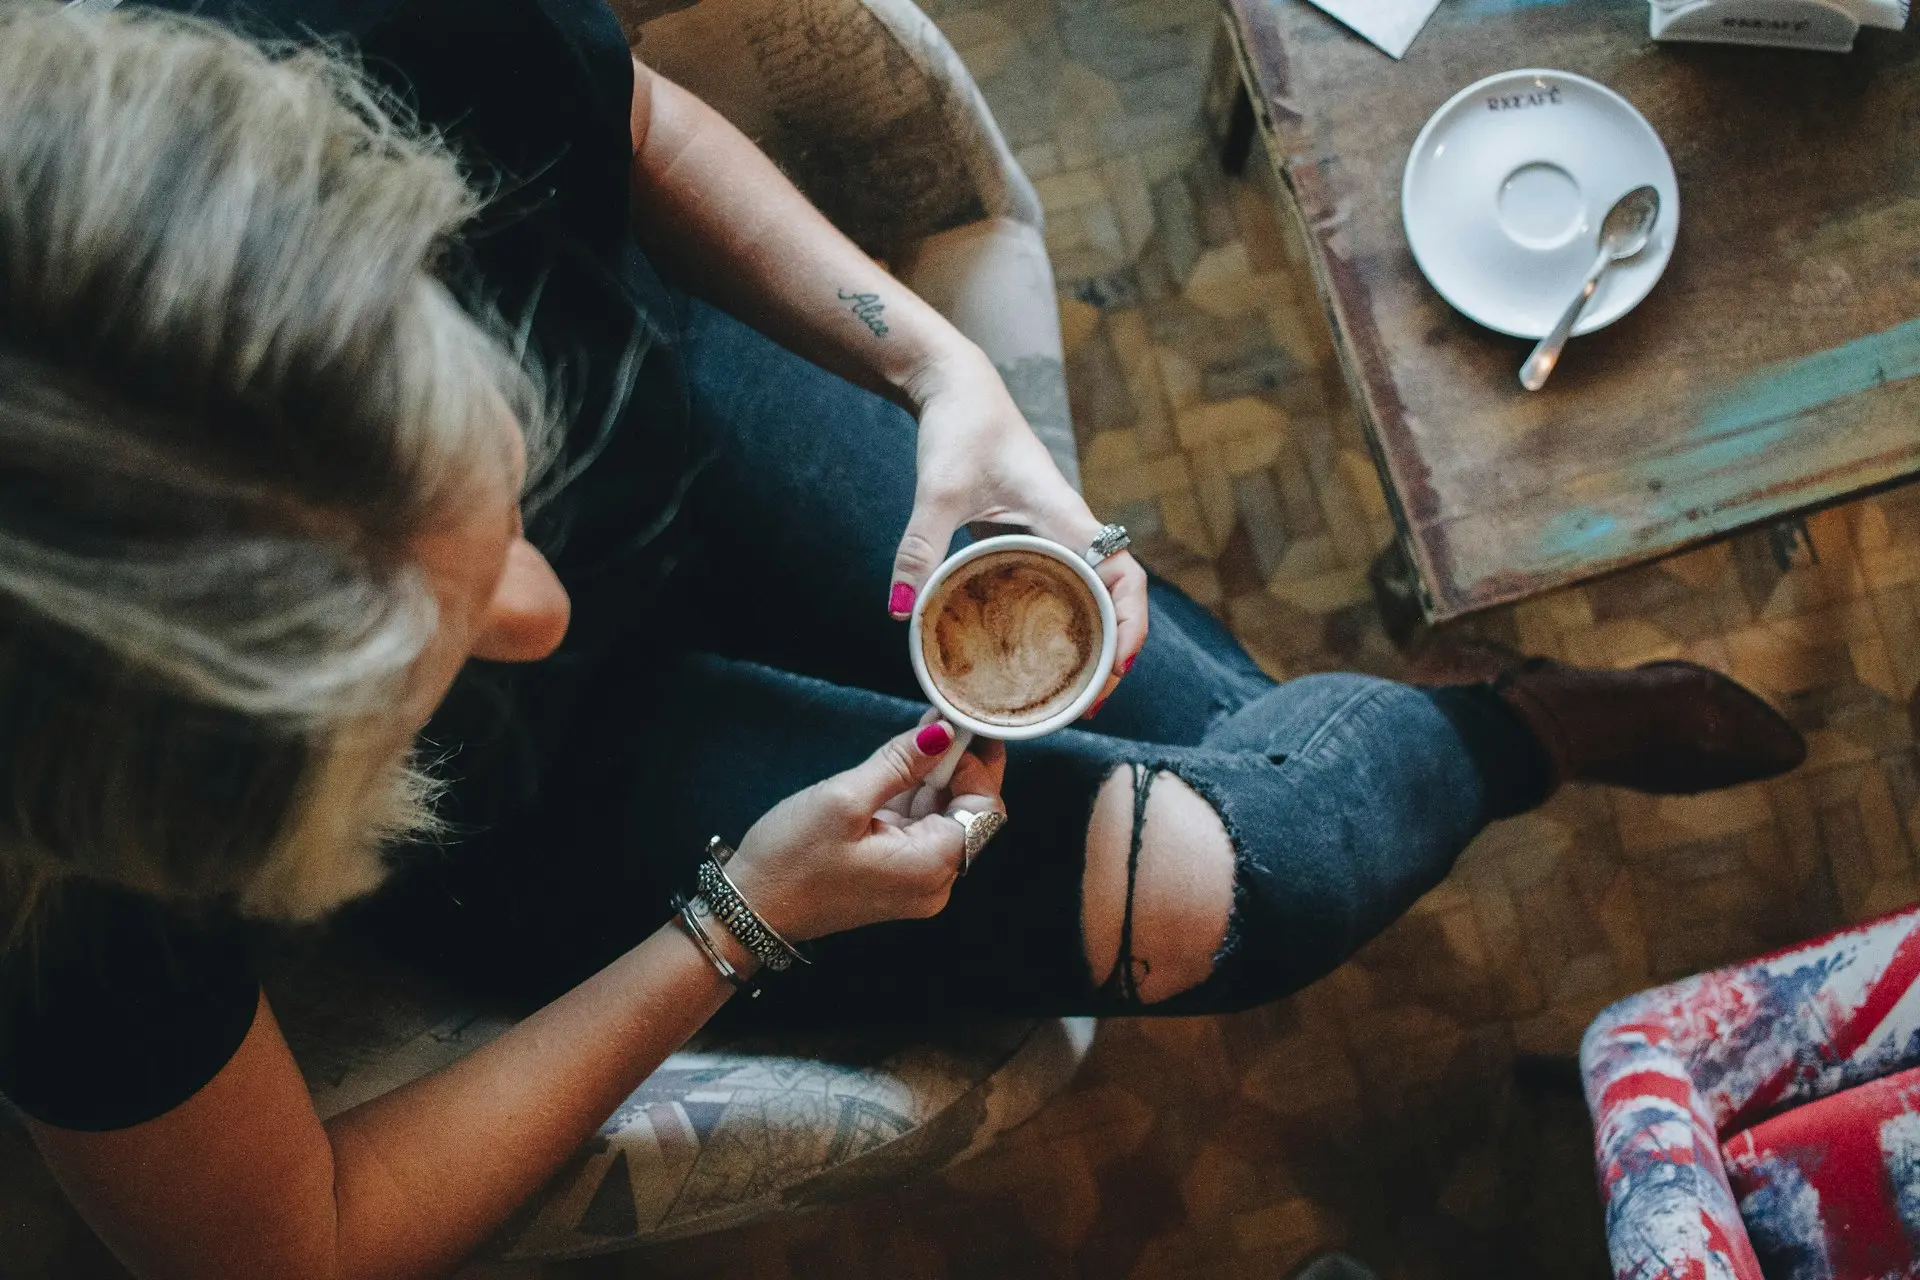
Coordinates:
column 1391, row 24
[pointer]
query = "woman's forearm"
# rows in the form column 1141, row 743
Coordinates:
column 727, row 225
column 241, row 1179
column 424, row 1174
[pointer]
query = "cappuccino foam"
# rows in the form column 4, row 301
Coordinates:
column 1011, row 638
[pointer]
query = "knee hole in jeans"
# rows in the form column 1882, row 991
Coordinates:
column 1175, row 922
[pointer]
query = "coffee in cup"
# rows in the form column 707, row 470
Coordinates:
column 1012, row 637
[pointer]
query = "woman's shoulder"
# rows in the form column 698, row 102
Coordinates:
column 532, row 90
column 294, row 18
column 587, row 29
column 114, row 1008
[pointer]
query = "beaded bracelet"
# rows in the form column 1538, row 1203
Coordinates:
column 731, row 909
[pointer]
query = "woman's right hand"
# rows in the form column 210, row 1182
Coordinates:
column 839, row 855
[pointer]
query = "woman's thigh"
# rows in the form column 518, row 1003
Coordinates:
column 794, row 524
column 793, row 521
column 703, row 746
column 1344, row 798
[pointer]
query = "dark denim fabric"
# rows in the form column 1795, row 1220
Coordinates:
column 768, row 662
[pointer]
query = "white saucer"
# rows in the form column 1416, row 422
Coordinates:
column 1507, row 186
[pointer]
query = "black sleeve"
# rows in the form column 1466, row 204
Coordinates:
column 115, row 1010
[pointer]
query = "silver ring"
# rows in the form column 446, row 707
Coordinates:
column 1109, row 542
column 978, row 828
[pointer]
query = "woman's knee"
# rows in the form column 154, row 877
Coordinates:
column 1162, row 917
column 1294, row 718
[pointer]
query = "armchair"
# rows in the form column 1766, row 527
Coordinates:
column 1762, row 1122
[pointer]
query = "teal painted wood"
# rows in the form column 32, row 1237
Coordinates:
column 1775, row 368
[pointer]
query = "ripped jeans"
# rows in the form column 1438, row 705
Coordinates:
column 771, row 664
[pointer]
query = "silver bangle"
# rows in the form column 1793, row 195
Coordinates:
column 690, row 921
column 731, row 909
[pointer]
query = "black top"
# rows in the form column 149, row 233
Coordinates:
column 123, row 1010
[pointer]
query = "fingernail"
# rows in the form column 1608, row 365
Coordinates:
column 1128, row 664
column 900, row 603
column 933, row 739
column 1094, row 710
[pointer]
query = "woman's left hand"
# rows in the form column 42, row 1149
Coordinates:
column 979, row 460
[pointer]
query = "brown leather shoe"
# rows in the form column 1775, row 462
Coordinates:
column 1668, row 728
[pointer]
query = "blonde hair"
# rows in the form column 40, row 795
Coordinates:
column 232, row 392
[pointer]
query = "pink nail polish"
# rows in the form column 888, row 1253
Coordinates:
column 900, row 603
column 1128, row 664
column 1094, row 710
column 933, row 739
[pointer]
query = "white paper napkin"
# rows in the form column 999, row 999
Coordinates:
column 1391, row 24
column 1891, row 14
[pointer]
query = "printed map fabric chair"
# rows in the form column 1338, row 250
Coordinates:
column 731, row 1129
column 865, row 105
column 868, row 109
column 1762, row 1122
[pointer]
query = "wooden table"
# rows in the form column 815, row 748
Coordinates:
column 1773, row 368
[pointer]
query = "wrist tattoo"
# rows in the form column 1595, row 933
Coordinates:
column 868, row 310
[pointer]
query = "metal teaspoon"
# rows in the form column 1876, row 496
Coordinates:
column 1624, row 233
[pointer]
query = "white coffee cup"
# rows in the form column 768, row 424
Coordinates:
column 967, row 727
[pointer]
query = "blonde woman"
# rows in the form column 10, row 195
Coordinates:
column 305, row 579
